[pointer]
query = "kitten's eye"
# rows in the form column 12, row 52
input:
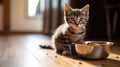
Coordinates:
column 83, row 22
column 72, row 19
column 81, row 19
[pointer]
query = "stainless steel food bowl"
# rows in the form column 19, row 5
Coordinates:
column 93, row 49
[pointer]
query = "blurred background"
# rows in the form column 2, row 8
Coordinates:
column 44, row 16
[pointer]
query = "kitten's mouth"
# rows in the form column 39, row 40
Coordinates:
column 76, row 32
column 81, row 32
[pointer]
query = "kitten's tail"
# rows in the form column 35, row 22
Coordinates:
column 46, row 47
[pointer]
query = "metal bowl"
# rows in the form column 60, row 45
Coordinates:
column 93, row 49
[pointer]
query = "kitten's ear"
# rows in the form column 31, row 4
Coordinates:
column 85, row 9
column 67, row 9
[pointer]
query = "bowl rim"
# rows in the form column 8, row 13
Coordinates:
column 98, row 42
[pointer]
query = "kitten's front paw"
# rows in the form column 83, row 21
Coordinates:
column 67, row 53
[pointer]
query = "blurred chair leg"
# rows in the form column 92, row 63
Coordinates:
column 115, row 21
column 108, row 25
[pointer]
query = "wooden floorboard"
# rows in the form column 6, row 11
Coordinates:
column 24, row 51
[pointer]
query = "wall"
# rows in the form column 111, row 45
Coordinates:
column 1, row 17
column 19, row 22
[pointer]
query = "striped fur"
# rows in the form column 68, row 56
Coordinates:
column 72, row 31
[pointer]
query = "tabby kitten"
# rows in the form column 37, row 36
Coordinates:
column 72, row 31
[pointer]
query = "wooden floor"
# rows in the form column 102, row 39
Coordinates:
column 23, row 51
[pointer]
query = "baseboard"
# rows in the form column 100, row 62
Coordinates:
column 21, row 32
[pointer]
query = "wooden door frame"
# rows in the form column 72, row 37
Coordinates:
column 6, row 15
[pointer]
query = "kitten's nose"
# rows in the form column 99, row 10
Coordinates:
column 77, row 22
column 77, row 25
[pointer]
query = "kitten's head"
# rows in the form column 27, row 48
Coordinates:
column 76, row 18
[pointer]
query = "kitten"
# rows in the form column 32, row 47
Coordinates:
column 72, row 31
